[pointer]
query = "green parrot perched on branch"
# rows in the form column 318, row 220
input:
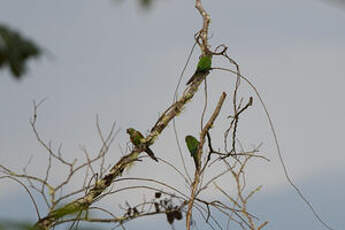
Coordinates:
column 204, row 65
column 193, row 144
column 138, row 141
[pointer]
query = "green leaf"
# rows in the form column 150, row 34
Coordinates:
column 15, row 51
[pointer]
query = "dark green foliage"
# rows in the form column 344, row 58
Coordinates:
column 158, row 195
column 172, row 214
column 145, row 3
column 170, row 217
column 15, row 51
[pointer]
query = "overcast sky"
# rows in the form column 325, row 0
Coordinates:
column 122, row 62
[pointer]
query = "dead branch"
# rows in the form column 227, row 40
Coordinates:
column 195, row 183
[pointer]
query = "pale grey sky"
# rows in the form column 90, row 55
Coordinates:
column 122, row 62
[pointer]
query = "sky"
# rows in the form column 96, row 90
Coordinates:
column 121, row 62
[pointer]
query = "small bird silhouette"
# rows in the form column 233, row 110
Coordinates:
column 138, row 140
column 204, row 65
column 192, row 145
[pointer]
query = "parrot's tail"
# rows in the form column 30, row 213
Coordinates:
column 151, row 154
column 196, row 75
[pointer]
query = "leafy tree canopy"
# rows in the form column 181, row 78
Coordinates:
column 15, row 51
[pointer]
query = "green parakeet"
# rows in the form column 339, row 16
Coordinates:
column 193, row 144
column 204, row 65
column 138, row 140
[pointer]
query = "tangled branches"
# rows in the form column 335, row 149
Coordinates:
column 101, row 181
